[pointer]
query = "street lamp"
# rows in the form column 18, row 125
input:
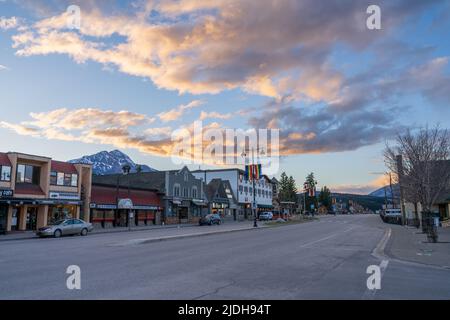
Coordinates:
column 254, row 205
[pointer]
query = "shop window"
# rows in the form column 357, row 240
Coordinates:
column 61, row 212
column 5, row 173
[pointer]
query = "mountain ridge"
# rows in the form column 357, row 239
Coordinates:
column 110, row 162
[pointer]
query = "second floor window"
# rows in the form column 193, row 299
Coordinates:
column 5, row 173
column 176, row 191
column 185, row 193
column 28, row 174
column 63, row 179
column 194, row 193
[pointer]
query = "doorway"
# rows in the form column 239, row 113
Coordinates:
column 3, row 218
column 31, row 218
column 183, row 214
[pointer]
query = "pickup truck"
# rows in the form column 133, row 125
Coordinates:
column 391, row 216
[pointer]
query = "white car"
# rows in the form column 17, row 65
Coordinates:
column 266, row 216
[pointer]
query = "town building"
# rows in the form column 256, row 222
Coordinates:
column 242, row 189
column 413, row 210
column 221, row 199
column 124, row 207
column 36, row 190
column 182, row 194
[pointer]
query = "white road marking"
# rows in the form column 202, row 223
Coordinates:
column 326, row 238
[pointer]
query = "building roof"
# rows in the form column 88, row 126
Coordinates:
column 4, row 159
column 29, row 189
column 108, row 195
column 215, row 189
column 142, row 180
column 63, row 167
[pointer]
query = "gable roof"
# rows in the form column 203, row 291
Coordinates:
column 4, row 160
column 63, row 167
column 215, row 189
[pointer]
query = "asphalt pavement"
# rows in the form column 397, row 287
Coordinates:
column 324, row 259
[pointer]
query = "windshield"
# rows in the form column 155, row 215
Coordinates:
column 57, row 222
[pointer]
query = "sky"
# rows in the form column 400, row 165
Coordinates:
column 136, row 71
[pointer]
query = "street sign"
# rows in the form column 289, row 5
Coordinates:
column 6, row 193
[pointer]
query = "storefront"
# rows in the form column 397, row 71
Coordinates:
column 112, row 207
column 30, row 214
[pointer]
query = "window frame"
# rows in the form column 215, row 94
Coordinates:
column 35, row 176
column 1, row 174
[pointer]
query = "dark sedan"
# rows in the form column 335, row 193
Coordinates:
column 210, row 219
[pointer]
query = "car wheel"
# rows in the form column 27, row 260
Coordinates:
column 57, row 233
column 84, row 232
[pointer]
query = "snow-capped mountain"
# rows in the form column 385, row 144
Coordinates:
column 110, row 162
column 380, row 192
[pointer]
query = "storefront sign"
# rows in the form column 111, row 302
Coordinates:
column 155, row 208
column 103, row 206
column 64, row 196
column 6, row 193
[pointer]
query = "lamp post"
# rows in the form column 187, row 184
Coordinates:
column 254, row 205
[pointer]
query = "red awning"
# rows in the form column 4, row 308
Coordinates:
column 30, row 189
column 63, row 167
column 4, row 160
column 108, row 195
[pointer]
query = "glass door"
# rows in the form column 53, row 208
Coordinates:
column 31, row 218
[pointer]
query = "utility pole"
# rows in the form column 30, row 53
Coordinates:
column 255, row 223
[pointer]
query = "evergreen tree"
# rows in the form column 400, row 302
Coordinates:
column 311, row 181
column 284, row 187
column 325, row 197
column 292, row 189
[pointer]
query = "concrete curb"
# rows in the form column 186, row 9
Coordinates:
column 181, row 236
column 94, row 233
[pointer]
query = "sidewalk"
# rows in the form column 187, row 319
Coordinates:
column 227, row 226
column 410, row 244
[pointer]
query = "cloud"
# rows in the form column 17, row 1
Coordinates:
column 362, row 189
column 327, row 128
column 215, row 115
column 428, row 78
column 86, row 118
column 211, row 46
column 91, row 125
column 177, row 113
column 8, row 23
column 2, row 67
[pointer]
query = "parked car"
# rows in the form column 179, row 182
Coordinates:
column 65, row 227
column 266, row 216
column 210, row 219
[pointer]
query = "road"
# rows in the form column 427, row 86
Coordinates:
column 324, row 259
